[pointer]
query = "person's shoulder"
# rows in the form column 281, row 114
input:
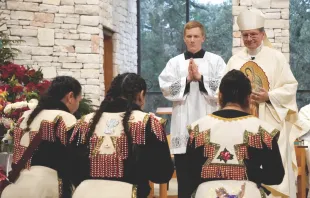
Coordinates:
column 176, row 58
column 273, row 52
column 263, row 125
column 212, row 55
column 203, row 120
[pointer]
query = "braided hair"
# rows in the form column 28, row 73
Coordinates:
column 235, row 87
column 59, row 88
column 127, row 86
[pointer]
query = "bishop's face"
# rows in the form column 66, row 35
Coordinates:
column 252, row 39
column 193, row 39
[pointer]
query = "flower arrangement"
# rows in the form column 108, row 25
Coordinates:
column 18, row 85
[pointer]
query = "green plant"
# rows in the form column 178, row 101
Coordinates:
column 85, row 108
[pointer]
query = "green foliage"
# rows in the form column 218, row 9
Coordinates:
column 7, row 51
column 84, row 108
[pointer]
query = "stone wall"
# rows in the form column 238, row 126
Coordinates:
column 276, row 24
column 65, row 37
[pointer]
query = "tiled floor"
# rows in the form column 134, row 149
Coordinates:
column 173, row 188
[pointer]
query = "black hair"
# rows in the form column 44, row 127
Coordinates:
column 235, row 87
column 127, row 86
column 59, row 88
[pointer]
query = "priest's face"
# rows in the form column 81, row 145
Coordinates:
column 252, row 39
column 193, row 39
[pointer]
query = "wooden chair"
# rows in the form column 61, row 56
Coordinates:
column 302, row 176
column 163, row 188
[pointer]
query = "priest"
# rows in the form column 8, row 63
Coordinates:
column 190, row 81
column 274, row 92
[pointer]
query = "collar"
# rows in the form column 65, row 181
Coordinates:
column 255, row 51
column 199, row 54
column 230, row 113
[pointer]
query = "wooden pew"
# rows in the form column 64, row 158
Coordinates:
column 302, row 176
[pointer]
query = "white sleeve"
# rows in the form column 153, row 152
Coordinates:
column 171, row 83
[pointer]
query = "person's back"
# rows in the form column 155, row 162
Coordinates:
column 44, row 131
column 120, row 142
column 231, row 145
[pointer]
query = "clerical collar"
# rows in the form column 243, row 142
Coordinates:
column 199, row 54
column 253, row 53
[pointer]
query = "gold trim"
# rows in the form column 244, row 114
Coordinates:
column 134, row 191
column 114, row 140
column 222, row 164
column 262, row 193
column 60, row 188
column 98, row 145
column 163, row 121
column 232, row 119
column 237, row 147
column 146, row 118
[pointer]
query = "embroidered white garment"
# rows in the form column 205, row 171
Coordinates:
column 191, row 106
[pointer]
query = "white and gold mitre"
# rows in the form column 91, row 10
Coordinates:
column 251, row 19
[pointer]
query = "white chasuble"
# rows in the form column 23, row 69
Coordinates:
column 270, row 70
column 192, row 105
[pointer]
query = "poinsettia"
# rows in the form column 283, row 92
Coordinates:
column 18, row 85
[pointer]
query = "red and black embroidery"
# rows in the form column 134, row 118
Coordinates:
column 225, row 155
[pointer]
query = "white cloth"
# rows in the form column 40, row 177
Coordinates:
column 37, row 182
column 195, row 104
column 233, row 187
column 282, row 112
column 104, row 189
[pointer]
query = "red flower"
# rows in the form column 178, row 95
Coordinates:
column 31, row 72
column 17, row 89
column 30, row 86
column 225, row 155
column 5, row 87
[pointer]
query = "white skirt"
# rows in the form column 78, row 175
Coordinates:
column 214, row 189
column 37, row 182
column 105, row 189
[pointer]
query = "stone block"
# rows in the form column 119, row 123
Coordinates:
column 65, row 59
column 30, row 41
column 48, row 8
column 52, row 2
column 46, row 37
column 87, row 29
column 67, row 2
column 87, row 58
column 72, row 65
column 66, row 9
column 21, row 15
column 89, row 20
column 25, row 6
column 280, row 3
column 23, row 32
column 42, row 51
column 44, row 17
column 85, row 36
column 42, row 58
column 49, row 72
column 87, row 9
